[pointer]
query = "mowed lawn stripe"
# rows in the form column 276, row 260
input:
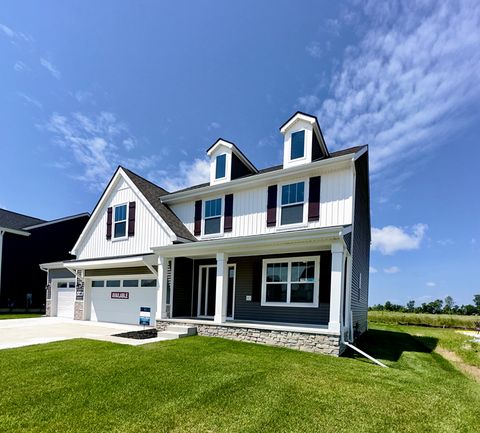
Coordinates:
column 204, row 384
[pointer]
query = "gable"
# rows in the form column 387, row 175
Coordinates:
column 150, row 230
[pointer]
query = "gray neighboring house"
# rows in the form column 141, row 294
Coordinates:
column 277, row 256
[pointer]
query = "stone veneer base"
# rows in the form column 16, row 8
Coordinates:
column 78, row 310
column 48, row 307
column 308, row 342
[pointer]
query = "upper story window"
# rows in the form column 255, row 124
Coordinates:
column 293, row 196
column 220, row 166
column 297, row 147
column 213, row 216
column 291, row 282
column 120, row 221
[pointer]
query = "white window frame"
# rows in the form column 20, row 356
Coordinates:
column 301, row 158
column 120, row 238
column 304, row 222
column 290, row 260
column 222, row 212
column 225, row 175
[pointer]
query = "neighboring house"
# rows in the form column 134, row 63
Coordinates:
column 278, row 256
column 25, row 242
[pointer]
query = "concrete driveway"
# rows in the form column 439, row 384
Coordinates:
column 25, row 332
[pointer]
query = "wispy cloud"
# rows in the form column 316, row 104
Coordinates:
column 97, row 143
column 308, row 102
column 50, row 67
column 409, row 83
column 390, row 239
column 373, row 270
column 430, row 284
column 391, row 270
column 213, row 125
column 314, row 49
column 19, row 66
column 83, row 96
column 187, row 174
column 29, row 100
column 13, row 34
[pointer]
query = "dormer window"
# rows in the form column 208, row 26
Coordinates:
column 220, row 166
column 213, row 216
column 120, row 221
column 293, row 198
column 298, row 145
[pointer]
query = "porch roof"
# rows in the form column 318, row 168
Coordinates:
column 278, row 242
column 113, row 262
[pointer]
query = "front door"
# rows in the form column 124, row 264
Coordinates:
column 207, row 284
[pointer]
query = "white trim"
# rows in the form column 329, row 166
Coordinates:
column 224, row 177
column 14, row 231
column 107, row 263
column 125, row 236
column 234, row 266
column 59, row 220
column 300, row 158
column 206, row 290
column 261, row 178
column 222, row 211
column 233, row 148
column 289, row 261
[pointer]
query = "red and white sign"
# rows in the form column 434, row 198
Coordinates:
column 119, row 295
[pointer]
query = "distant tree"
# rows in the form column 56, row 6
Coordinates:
column 476, row 301
column 410, row 306
column 388, row 306
column 448, row 305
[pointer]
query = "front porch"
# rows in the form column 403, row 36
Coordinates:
column 287, row 289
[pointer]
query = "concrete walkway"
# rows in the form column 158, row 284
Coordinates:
column 25, row 332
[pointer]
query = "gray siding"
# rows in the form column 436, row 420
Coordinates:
column 62, row 273
column 249, row 283
column 361, row 246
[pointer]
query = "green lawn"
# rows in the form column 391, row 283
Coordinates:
column 439, row 320
column 201, row 384
column 19, row 316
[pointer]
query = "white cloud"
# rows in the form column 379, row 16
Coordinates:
column 50, row 67
column 430, row 284
column 96, row 143
column 314, row 49
column 19, row 66
column 83, row 96
column 409, row 83
column 373, row 270
column 213, row 125
column 187, row 174
column 308, row 102
column 390, row 239
column 12, row 34
column 391, row 270
column 29, row 100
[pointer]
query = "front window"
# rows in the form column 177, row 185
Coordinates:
column 213, row 216
column 220, row 166
column 291, row 282
column 120, row 222
column 292, row 203
column 297, row 145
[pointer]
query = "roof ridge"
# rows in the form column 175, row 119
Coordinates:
column 22, row 214
column 145, row 179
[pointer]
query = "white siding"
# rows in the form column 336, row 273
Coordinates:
column 148, row 231
column 250, row 206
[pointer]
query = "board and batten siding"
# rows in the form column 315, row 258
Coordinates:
column 250, row 205
column 361, row 247
column 148, row 231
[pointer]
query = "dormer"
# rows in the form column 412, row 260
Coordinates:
column 303, row 140
column 227, row 162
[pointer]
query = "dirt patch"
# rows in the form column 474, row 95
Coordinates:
column 470, row 370
column 139, row 335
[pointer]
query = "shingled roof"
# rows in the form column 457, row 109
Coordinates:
column 17, row 221
column 153, row 193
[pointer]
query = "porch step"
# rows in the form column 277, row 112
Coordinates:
column 174, row 331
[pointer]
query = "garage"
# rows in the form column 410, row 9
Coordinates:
column 119, row 300
column 65, row 299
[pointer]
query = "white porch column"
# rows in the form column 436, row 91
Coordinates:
column 334, row 323
column 162, row 288
column 221, row 289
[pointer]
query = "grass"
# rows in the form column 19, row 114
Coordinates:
column 7, row 316
column 202, row 384
column 437, row 320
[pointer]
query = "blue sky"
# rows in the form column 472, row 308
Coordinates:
column 85, row 86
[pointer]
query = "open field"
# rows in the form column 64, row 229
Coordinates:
column 7, row 316
column 201, row 384
column 439, row 320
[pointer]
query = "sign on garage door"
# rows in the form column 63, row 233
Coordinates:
column 119, row 300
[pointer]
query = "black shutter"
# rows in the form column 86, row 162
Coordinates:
column 256, row 280
column 131, row 218
column 109, row 223
column 198, row 218
column 228, row 215
column 314, row 199
column 272, row 206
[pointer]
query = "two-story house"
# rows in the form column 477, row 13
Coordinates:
column 278, row 256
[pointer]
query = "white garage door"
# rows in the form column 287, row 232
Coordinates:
column 65, row 300
column 119, row 301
